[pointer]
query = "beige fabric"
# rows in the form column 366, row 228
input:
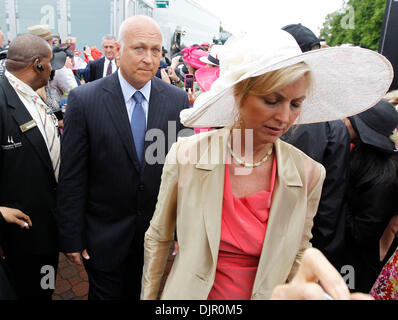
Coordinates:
column 190, row 198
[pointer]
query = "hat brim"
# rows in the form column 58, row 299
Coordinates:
column 58, row 60
column 52, row 36
column 207, row 61
column 371, row 137
column 345, row 82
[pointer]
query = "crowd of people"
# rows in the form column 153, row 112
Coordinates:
column 267, row 165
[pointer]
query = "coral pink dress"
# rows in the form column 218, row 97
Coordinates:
column 243, row 227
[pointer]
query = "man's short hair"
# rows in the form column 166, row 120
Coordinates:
column 108, row 37
column 25, row 49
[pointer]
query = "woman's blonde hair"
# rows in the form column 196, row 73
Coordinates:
column 271, row 81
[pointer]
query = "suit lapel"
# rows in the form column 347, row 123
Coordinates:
column 116, row 107
column 211, row 170
column 22, row 116
column 276, row 247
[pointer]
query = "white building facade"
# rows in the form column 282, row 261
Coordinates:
column 184, row 21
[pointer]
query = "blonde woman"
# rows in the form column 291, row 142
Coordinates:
column 242, row 201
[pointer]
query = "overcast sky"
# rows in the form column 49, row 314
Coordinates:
column 242, row 15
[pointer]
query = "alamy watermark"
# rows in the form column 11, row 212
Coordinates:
column 348, row 20
column 47, row 282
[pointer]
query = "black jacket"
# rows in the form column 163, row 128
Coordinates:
column 96, row 69
column 27, row 180
column 329, row 144
column 369, row 211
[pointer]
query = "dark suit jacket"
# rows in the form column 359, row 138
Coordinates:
column 106, row 200
column 27, row 180
column 369, row 210
column 327, row 143
column 96, row 69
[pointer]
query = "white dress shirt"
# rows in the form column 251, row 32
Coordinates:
column 128, row 91
column 114, row 66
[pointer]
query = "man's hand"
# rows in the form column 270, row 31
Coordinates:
column 16, row 216
column 75, row 257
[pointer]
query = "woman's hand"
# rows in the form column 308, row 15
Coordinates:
column 316, row 279
column 191, row 96
column 16, row 216
column 68, row 63
column 164, row 75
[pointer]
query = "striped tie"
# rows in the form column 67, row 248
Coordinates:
column 51, row 131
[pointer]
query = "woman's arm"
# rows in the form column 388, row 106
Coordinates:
column 160, row 234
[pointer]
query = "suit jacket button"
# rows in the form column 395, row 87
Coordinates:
column 141, row 187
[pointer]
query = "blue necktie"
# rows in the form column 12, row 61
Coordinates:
column 138, row 125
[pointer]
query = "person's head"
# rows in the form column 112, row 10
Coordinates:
column 191, row 57
column 375, row 127
column 140, row 50
column 306, row 39
column 29, row 59
column 270, row 103
column 2, row 39
column 109, row 46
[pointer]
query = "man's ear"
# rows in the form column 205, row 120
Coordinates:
column 37, row 67
column 118, row 47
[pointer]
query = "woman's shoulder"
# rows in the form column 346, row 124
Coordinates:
column 308, row 168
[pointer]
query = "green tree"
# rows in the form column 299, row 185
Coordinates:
column 358, row 22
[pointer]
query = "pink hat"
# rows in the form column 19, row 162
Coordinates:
column 206, row 76
column 192, row 57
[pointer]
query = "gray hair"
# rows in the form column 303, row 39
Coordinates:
column 108, row 37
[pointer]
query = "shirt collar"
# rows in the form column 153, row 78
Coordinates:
column 20, row 85
column 128, row 90
column 107, row 60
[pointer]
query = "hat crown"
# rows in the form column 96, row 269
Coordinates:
column 242, row 56
column 39, row 29
column 382, row 118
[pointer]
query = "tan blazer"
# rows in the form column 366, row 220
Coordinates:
column 191, row 199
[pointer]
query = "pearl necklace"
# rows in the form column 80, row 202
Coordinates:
column 246, row 164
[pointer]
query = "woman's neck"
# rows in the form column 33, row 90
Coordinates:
column 250, row 147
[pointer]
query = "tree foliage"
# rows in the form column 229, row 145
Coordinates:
column 359, row 22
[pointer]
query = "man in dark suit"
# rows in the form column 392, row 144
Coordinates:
column 106, row 65
column 329, row 144
column 109, row 182
column 29, row 158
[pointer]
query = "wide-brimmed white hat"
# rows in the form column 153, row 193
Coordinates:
column 345, row 80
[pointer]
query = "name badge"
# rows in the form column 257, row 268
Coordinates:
column 27, row 126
